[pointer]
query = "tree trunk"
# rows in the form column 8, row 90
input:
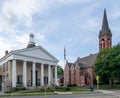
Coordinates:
column 110, row 81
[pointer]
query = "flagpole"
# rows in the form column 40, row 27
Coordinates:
column 64, row 71
column 64, row 63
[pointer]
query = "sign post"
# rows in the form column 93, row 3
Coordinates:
column 97, row 78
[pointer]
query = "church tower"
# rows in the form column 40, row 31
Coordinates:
column 105, row 35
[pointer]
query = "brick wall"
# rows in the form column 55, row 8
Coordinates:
column 77, row 74
column 72, row 75
column 67, row 75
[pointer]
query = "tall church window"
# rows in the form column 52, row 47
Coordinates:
column 103, row 43
column 108, row 43
column 67, row 75
column 101, row 46
column 81, row 71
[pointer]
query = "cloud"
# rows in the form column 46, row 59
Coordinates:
column 40, row 37
column 5, row 45
column 115, row 14
column 74, row 23
column 13, row 11
column 69, row 2
column 20, row 8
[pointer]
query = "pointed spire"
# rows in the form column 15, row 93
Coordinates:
column 105, row 22
column 105, row 26
column 31, row 42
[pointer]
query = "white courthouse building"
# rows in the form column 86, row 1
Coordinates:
column 29, row 67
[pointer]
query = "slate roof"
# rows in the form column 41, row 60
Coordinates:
column 84, row 62
column 87, row 61
column 70, row 64
column 82, row 65
column 105, row 26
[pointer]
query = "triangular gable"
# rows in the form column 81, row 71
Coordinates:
column 36, row 52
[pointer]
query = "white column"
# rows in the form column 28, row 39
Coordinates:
column 14, row 73
column 24, row 74
column 49, row 75
column 5, row 72
column 42, row 74
column 56, row 74
column 33, row 75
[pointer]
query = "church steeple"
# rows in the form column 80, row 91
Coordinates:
column 105, row 34
column 105, row 23
column 31, row 42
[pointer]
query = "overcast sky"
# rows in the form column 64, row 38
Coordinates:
column 74, row 24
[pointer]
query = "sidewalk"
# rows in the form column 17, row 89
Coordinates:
column 106, row 91
column 111, row 92
column 56, row 92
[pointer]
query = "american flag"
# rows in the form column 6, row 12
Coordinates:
column 64, row 53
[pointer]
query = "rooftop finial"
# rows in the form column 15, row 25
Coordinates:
column 31, row 42
column 31, row 37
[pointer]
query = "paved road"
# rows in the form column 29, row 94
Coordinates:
column 100, row 95
column 112, row 92
column 116, row 92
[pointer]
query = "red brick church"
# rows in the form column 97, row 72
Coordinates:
column 81, row 71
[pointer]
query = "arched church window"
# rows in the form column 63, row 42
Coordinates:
column 103, row 43
column 108, row 43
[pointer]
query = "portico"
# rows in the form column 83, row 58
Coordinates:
column 31, row 66
column 33, row 73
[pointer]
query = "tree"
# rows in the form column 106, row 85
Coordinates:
column 107, row 64
column 60, row 70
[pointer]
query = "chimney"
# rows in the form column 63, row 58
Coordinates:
column 6, row 52
column 91, row 54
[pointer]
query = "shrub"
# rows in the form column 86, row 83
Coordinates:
column 71, row 85
column 42, row 89
column 9, row 91
column 20, row 88
column 63, row 88
column 118, row 83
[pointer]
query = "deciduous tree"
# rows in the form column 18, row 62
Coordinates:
column 107, row 64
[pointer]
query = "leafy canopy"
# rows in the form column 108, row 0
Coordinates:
column 60, row 70
column 107, row 64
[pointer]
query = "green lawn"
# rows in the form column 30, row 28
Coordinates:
column 108, row 86
column 59, row 89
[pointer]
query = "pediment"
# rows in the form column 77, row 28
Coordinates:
column 36, row 52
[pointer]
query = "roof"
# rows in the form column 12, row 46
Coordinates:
column 30, row 52
column 87, row 61
column 30, row 45
column 82, row 65
column 105, row 26
column 70, row 64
